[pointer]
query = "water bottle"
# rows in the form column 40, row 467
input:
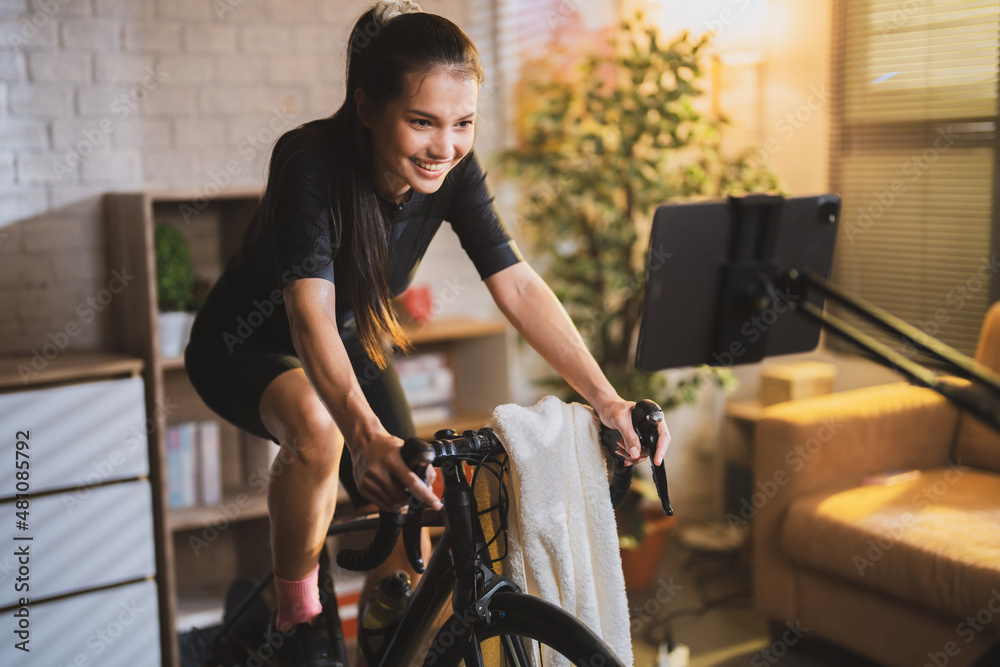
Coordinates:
column 381, row 613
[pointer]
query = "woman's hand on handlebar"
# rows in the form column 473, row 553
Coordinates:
column 384, row 479
column 617, row 414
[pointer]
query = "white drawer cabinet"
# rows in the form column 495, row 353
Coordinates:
column 91, row 564
column 82, row 540
column 115, row 627
column 81, row 434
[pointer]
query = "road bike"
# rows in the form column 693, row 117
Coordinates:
column 485, row 615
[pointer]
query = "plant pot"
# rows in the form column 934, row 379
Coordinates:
column 640, row 564
column 175, row 330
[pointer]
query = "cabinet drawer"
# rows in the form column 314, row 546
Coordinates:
column 80, row 541
column 117, row 627
column 81, row 434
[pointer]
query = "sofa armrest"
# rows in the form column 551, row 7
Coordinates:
column 829, row 443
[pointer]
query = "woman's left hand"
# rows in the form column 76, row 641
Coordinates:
column 617, row 414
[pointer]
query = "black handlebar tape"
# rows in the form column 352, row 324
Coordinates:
column 646, row 416
column 411, row 535
column 621, row 475
column 417, row 455
column 386, row 534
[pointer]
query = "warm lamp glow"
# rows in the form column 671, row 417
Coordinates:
column 739, row 25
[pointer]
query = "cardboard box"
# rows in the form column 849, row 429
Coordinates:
column 789, row 382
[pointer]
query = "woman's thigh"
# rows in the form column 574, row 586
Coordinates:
column 384, row 394
column 234, row 384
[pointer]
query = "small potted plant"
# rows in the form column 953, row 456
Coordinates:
column 642, row 532
column 175, row 288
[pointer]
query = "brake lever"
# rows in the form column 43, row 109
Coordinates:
column 417, row 455
column 646, row 416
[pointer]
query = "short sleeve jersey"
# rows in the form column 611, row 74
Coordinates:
column 296, row 242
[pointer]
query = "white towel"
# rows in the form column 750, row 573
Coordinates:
column 563, row 545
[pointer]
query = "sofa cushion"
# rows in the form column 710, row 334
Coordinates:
column 933, row 540
column 976, row 443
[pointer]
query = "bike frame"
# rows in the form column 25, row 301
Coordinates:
column 461, row 550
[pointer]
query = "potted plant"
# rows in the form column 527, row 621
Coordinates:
column 642, row 532
column 178, row 292
column 599, row 147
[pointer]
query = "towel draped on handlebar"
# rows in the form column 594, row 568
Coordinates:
column 563, row 544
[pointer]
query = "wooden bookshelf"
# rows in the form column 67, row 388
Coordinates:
column 214, row 228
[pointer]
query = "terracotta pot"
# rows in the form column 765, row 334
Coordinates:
column 641, row 564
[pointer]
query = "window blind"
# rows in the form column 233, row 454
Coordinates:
column 914, row 158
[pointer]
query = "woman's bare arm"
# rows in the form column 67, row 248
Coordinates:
column 538, row 316
column 310, row 303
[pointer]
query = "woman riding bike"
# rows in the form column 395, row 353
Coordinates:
column 351, row 203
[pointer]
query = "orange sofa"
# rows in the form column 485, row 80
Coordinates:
column 902, row 569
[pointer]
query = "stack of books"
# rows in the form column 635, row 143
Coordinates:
column 193, row 464
column 429, row 386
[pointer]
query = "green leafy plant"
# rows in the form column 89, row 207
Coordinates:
column 175, row 282
column 599, row 148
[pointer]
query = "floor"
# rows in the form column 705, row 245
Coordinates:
column 702, row 601
column 700, row 605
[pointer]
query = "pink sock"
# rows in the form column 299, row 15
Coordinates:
column 298, row 601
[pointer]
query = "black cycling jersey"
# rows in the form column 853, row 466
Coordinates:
column 297, row 242
column 241, row 339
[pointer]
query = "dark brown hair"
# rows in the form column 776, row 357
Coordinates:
column 379, row 60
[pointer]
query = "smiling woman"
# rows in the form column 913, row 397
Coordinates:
column 422, row 135
column 351, row 204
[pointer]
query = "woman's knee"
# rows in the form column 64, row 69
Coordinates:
column 315, row 440
column 301, row 423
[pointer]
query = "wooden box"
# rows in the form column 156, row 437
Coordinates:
column 789, row 382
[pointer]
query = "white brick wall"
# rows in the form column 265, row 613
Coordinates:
column 111, row 95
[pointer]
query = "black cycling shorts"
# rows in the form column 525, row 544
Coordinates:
column 231, row 383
